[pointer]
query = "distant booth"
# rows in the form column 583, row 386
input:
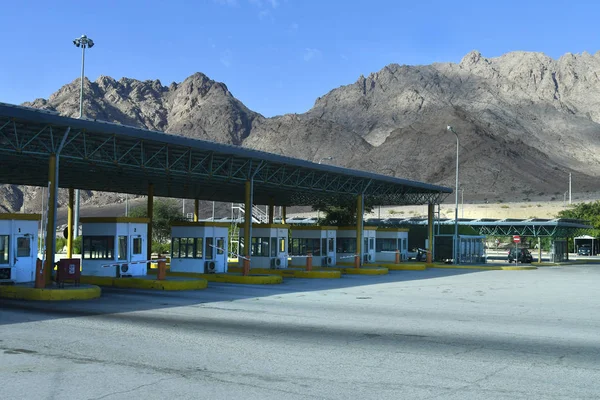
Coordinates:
column 346, row 244
column 114, row 247
column 269, row 245
column 387, row 241
column 589, row 241
column 18, row 247
column 471, row 248
column 317, row 240
column 199, row 247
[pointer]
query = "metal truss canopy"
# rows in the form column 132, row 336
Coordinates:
column 556, row 228
column 109, row 157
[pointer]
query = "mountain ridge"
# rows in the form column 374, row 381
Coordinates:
column 525, row 121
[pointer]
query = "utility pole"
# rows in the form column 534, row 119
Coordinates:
column 83, row 42
column 570, row 188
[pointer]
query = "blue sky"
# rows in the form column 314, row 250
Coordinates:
column 276, row 56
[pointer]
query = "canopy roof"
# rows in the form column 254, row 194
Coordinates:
column 110, row 157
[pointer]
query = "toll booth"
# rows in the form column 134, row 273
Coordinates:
column 269, row 245
column 199, row 247
column 114, row 247
column 18, row 247
column 471, row 249
column 387, row 241
column 346, row 244
column 317, row 240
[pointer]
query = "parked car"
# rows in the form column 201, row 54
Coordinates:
column 584, row 250
column 524, row 255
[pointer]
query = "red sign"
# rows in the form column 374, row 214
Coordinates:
column 516, row 239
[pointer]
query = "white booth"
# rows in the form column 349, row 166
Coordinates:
column 199, row 247
column 387, row 241
column 269, row 247
column 318, row 240
column 18, row 247
column 346, row 244
column 114, row 246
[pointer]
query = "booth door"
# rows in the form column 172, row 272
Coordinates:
column 136, row 246
column 221, row 255
column 24, row 259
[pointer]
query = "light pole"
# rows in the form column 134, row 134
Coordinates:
column 325, row 158
column 83, row 42
column 456, row 199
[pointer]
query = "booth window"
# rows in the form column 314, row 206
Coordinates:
column 386, row 245
column 260, row 246
column 199, row 247
column 346, row 245
column 122, row 247
column 99, row 247
column 183, row 247
column 137, row 245
column 23, row 247
column 331, row 244
column 303, row 246
column 404, row 245
column 4, row 246
column 273, row 247
column 220, row 245
column 209, row 248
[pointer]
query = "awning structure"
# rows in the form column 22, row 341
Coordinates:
column 110, row 157
column 558, row 228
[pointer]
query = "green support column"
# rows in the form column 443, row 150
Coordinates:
column 150, row 212
column 247, row 222
column 429, row 256
column 359, row 231
column 70, row 223
column 51, row 222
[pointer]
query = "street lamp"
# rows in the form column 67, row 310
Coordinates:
column 451, row 129
column 325, row 158
column 83, row 42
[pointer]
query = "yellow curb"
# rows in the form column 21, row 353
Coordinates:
column 404, row 267
column 141, row 283
column 233, row 278
column 357, row 271
column 481, row 267
column 29, row 293
column 351, row 264
column 293, row 272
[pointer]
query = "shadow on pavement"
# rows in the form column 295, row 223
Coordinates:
column 129, row 300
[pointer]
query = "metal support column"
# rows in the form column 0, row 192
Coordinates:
column 271, row 209
column 196, row 209
column 430, row 209
column 51, row 220
column 359, row 231
column 247, row 227
column 70, row 224
column 283, row 214
column 150, row 212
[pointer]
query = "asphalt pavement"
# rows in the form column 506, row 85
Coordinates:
column 443, row 334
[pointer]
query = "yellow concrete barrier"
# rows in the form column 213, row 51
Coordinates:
column 20, row 292
column 147, row 283
column 293, row 272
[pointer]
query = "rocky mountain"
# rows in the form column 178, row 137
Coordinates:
column 525, row 121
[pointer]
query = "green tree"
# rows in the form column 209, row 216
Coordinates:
column 585, row 211
column 341, row 214
column 165, row 212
